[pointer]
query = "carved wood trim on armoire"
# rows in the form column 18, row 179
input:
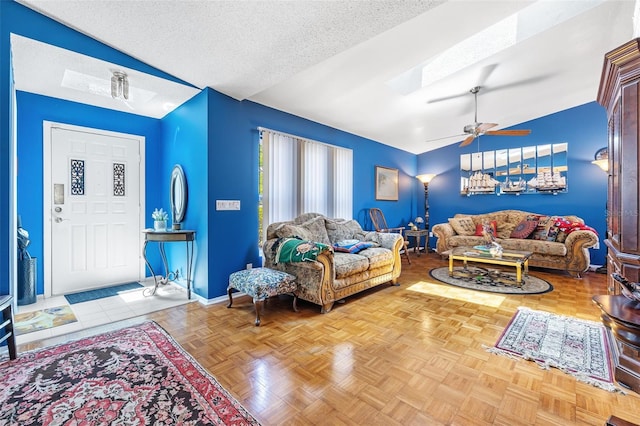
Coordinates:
column 619, row 93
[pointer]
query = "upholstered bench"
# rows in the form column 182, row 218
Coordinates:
column 260, row 284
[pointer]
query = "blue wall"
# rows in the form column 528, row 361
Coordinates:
column 583, row 128
column 215, row 139
column 233, row 175
column 32, row 111
column 212, row 136
column 17, row 19
column 185, row 141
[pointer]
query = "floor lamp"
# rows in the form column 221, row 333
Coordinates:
column 425, row 179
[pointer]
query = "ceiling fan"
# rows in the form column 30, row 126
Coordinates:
column 477, row 129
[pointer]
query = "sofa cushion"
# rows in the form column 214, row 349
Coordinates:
column 378, row 257
column 535, row 246
column 317, row 230
column 463, row 225
column 466, row 241
column 524, row 229
column 347, row 264
column 288, row 230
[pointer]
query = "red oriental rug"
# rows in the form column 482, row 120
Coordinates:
column 133, row 376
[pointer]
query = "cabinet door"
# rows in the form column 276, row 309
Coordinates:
column 627, row 174
column 613, row 198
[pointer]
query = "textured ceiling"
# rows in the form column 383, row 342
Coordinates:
column 333, row 61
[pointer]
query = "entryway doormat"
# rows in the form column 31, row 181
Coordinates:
column 137, row 375
column 577, row 347
column 43, row 319
column 100, row 293
column 491, row 280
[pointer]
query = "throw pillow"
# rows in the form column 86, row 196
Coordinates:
column 292, row 231
column 340, row 229
column 505, row 229
column 493, row 224
column 524, row 229
column 463, row 225
column 317, row 230
column 349, row 246
column 542, row 229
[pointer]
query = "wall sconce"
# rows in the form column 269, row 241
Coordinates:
column 602, row 159
column 119, row 85
column 425, row 179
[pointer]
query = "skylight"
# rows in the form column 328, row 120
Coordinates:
column 512, row 30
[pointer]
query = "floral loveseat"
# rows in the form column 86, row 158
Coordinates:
column 334, row 275
column 557, row 242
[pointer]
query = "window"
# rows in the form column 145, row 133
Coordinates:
column 298, row 176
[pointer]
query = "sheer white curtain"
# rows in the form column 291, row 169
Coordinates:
column 303, row 176
column 343, row 183
column 280, row 178
column 315, row 178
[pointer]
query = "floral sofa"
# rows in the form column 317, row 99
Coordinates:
column 557, row 242
column 354, row 260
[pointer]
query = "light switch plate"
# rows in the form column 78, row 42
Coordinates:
column 227, row 204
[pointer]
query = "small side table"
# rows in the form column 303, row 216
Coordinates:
column 169, row 236
column 6, row 303
column 418, row 234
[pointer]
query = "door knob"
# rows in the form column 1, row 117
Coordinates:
column 58, row 219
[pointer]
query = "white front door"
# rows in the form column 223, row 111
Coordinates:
column 94, row 208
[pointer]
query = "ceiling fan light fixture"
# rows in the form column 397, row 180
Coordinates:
column 119, row 85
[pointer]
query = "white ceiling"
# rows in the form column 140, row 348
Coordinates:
column 332, row 61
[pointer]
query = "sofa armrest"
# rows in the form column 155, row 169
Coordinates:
column 578, row 243
column 442, row 231
column 386, row 240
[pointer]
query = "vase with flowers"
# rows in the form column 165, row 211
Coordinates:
column 160, row 218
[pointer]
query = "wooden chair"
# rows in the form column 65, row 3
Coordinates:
column 380, row 224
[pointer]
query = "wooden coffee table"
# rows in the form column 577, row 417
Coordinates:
column 515, row 258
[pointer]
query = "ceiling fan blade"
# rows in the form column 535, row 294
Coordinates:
column 446, row 137
column 514, row 132
column 467, row 141
column 446, row 98
column 483, row 127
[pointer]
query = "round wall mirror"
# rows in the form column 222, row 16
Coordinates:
column 178, row 196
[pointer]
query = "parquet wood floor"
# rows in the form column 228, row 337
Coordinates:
column 407, row 355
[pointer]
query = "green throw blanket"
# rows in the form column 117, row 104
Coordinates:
column 296, row 250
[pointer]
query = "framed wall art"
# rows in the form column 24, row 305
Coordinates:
column 386, row 183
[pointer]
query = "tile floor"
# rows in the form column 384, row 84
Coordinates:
column 104, row 311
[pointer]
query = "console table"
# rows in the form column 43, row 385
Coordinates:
column 622, row 316
column 168, row 236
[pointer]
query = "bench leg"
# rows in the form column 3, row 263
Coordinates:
column 229, row 291
column 295, row 303
column 259, row 305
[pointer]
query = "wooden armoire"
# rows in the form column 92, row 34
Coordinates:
column 619, row 93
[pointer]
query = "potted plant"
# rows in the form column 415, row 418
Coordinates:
column 160, row 218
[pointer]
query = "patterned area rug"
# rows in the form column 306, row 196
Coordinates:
column 42, row 319
column 578, row 347
column 492, row 280
column 134, row 376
